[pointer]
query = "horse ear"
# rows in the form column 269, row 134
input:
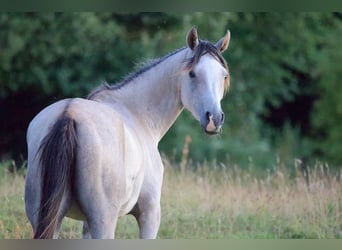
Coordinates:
column 222, row 45
column 192, row 38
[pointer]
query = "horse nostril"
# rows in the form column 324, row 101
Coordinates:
column 207, row 115
column 222, row 117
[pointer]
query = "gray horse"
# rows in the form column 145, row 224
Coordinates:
column 97, row 159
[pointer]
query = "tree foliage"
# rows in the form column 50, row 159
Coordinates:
column 327, row 114
column 284, row 96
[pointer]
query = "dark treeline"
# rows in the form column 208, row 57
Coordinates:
column 284, row 102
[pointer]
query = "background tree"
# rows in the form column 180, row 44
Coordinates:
column 283, row 101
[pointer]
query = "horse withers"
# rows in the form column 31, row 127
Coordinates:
column 97, row 159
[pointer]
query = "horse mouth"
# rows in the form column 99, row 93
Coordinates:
column 214, row 132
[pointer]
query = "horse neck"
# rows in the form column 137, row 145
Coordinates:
column 153, row 98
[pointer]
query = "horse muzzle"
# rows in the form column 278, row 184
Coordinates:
column 213, row 123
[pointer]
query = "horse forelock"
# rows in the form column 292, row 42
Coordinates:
column 205, row 47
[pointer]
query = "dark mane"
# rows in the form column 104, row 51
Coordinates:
column 132, row 76
column 203, row 48
column 145, row 68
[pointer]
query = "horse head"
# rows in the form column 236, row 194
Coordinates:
column 205, row 80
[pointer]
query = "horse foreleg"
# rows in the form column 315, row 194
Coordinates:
column 148, row 217
column 147, row 209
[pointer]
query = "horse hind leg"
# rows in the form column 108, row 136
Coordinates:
column 64, row 208
column 86, row 231
column 101, row 219
column 32, row 214
column 100, row 227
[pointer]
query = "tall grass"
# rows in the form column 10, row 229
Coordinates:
column 13, row 223
column 216, row 201
column 223, row 202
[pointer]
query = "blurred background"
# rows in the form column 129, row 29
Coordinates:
column 284, row 102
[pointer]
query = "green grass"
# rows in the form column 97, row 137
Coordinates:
column 213, row 203
column 13, row 222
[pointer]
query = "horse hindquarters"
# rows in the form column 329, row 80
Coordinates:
column 90, row 146
column 99, row 181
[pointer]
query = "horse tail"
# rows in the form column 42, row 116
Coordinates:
column 57, row 160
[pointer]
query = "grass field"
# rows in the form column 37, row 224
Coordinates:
column 214, row 202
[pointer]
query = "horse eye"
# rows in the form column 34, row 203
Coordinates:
column 192, row 74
